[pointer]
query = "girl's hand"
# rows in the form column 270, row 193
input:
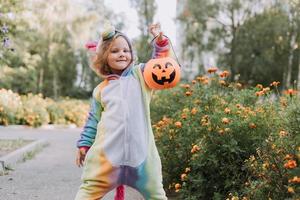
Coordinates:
column 80, row 156
column 154, row 29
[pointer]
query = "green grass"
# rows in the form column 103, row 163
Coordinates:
column 8, row 146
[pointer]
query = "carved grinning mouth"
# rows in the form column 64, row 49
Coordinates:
column 164, row 79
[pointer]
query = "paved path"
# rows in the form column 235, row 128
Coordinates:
column 52, row 173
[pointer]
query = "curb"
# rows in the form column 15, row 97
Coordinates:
column 43, row 127
column 21, row 154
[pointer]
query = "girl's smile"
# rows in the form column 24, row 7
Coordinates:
column 119, row 56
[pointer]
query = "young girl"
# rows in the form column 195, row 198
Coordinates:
column 117, row 144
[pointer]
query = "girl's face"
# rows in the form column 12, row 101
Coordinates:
column 119, row 55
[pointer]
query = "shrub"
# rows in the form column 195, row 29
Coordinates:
column 34, row 110
column 68, row 111
column 10, row 107
column 205, row 138
column 275, row 167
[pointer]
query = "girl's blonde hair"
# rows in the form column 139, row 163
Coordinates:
column 100, row 65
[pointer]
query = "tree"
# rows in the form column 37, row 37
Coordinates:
column 294, row 60
column 146, row 10
column 195, row 30
column 8, row 10
column 212, row 26
column 54, row 35
column 262, row 47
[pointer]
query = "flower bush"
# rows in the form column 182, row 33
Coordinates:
column 10, row 107
column 34, row 110
column 68, row 111
column 209, row 129
column 275, row 167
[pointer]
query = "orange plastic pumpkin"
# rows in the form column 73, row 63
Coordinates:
column 161, row 73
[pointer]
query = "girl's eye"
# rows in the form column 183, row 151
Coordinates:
column 114, row 51
column 126, row 51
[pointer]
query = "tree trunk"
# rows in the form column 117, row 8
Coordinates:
column 41, row 80
column 298, row 77
column 233, row 47
column 54, row 82
column 288, row 73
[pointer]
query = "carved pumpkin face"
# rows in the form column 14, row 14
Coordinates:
column 161, row 73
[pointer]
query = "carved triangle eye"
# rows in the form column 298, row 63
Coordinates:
column 157, row 66
column 168, row 64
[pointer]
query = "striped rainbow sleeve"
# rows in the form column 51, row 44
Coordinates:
column 88, row 134
column 161, row 48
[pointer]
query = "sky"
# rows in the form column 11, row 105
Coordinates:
column 165, row 14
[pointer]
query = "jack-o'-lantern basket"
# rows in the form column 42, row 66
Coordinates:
column 162, row 73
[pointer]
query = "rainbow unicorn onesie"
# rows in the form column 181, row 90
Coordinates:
column 118, row 131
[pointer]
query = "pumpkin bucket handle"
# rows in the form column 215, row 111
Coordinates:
column 171, row 48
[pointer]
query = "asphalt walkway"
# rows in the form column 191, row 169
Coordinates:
column 52, row 173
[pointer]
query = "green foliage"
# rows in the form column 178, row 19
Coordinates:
column 205, row 137
column 67, row 111
column 48, row 41
column 262, row 48
column 145, row 10
column 7, row 28
column 274, row 167
column 34, row 110
column 21, row 79
column 256, row 45
column 10, row 107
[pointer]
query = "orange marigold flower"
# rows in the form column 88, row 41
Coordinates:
column 194, row 81
column 222, row 82
column 259, row 86
column 183, row 116
column 202, row 79
column 212, row 70
column 266, row 165
column 290, row 92
column 177, row 186
column 291, row 164
column 227, row 129
column 160, row 123
column 205, row 82
column 275, row 83
column 185, row 110
column 195, row 149
column 221, row 131
column 194, row 111
column 239, row 85
column 186, row 86
column 183, row 176
column 259, row 93
column 178, row 124
column 238, row 105
column 166, row 120
column 266, row 89
column 227, row 110
column 187, row 170
column 197, row 101
column 291, row 190
column 225, row 120
column 224, row 74
column 252, row 125
column 288, row 157
column 283, row 133
column 295, row 179
column 188, row 93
